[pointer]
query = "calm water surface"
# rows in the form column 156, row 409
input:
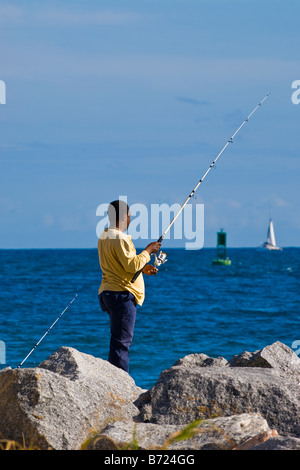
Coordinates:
column 191, row 306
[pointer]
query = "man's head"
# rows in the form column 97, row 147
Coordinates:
column 119, row 215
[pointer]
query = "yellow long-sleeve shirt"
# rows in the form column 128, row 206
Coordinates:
column 119, row 262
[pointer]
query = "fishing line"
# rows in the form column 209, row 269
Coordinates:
column 50, row 328
column 161, row 258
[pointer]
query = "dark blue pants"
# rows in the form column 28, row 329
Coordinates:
column 121, row 307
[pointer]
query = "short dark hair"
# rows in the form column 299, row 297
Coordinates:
column 116, row 211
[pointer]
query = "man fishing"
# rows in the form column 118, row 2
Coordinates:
column 117, row 294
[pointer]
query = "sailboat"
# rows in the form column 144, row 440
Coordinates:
column 270, row 244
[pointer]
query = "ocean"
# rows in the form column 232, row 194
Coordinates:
column 191, row 306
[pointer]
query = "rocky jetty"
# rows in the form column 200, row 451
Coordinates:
column 73, row 400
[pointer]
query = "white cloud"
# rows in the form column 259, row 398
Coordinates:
column 80, row 220
column 171, row 72
column 9, row 13
column 84, row 18
column 14, row 14
column 277, row 201
column 48, row 220
column 179, row 72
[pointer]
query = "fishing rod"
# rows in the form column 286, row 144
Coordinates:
column 50, row 328
column 161, row 258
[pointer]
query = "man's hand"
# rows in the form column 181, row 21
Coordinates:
column 153, row 247
column 150, row 270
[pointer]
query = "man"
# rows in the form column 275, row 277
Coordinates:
column 117, row 294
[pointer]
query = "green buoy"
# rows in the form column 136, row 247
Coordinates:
column 221, row 258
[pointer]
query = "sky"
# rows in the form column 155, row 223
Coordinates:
column 109, row 98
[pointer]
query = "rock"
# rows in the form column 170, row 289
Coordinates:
column 212, row 434
column 183, row 394
column 123, row 435
column 73, row 398
column 279, row 443
column 57, row 404
column 276, row 356
column 201, row 360
column 244, row 360
column 256, row 440
column 143, row 403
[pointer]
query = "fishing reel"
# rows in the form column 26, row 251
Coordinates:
column 160, row 259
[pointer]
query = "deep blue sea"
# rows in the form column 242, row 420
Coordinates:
column 191, row 306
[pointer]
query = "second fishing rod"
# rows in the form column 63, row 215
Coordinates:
column 161, row 258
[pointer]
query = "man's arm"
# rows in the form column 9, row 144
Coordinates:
column 132, row 262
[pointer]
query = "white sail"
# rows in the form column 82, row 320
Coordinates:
column 271, row 235
column 270, row 244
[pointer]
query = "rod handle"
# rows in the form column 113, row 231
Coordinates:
column 136, row 276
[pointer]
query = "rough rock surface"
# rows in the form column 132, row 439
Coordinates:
column 250, row 402
column 182, row 395
column 189, row 391
column 276, row 356
column 57, row 404
column 212, row 434
column 279, row 443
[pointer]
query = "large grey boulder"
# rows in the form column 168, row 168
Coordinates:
column 72, row 396
column 212, row 434
column 189, row 391
column 59, row 403
column 275, row 356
